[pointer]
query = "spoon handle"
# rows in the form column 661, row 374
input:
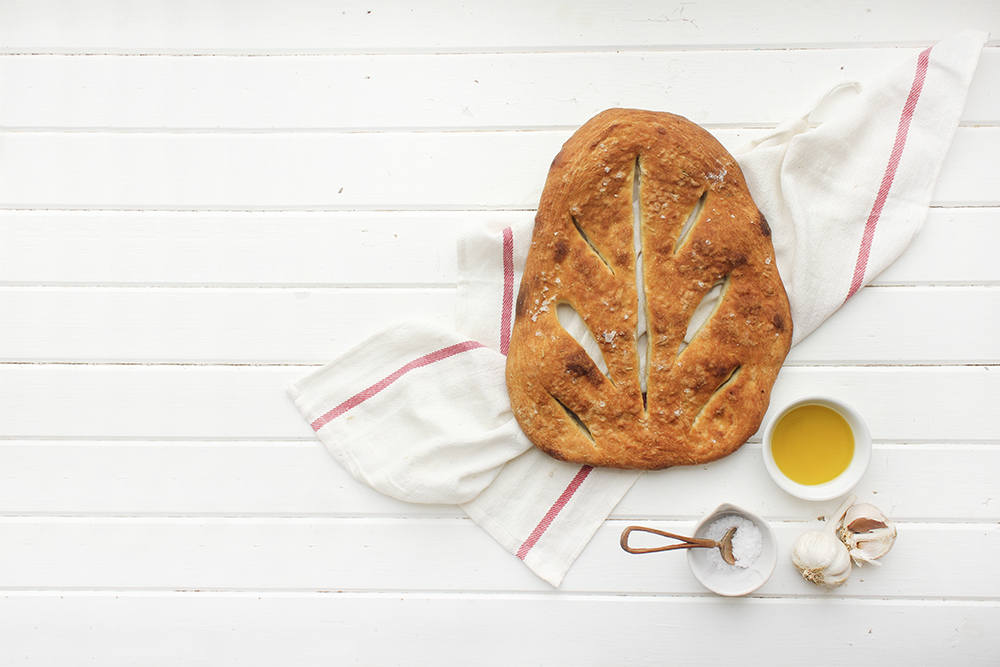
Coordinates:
column 686, row 542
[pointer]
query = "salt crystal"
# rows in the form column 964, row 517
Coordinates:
column 748, row 542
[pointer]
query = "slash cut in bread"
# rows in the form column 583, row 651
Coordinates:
column 651, row 186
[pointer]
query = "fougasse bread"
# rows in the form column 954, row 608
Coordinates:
column 654, row 186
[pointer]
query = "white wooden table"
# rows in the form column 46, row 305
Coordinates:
column 201, row 202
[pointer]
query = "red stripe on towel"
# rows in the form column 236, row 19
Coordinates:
column 508, row 290
column 890, row 172
column 557, row 507
column 506, row 316
column 364, row 395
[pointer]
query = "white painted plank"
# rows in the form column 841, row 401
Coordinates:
column 897, row 481
column 81, row 400
column 58, row 553
column 281, row 26
column 356, row 248
column 950, row 238
column 911, row 569
column 496, row 90
column 375, row 171
column 206, row 325
column 887, row 325
column 904, row 404
column 273, row 479
column 901, row 404
column 188, row 479
column 909, row 325
column 122, row 628
column 301, row 171
column 412, row 248
column 350, row 248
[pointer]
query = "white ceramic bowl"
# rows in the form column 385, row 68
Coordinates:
column 841, row 484
column 733, row 581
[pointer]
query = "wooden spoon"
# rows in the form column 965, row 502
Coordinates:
column 725, row 545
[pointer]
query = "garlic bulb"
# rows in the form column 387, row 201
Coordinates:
column 820, row 555
column 822, row 558
column 867, row 532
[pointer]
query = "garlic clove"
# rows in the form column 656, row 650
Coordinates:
column 865, row 525
column 821, row 558
column 867, row 533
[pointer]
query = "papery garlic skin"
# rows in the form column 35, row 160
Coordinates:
column 867, row 532
column 822, row 558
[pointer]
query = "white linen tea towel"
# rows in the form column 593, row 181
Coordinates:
column 421, row 413
column 846, row 198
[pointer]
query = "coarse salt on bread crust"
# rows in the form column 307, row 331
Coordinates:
column 624, row 173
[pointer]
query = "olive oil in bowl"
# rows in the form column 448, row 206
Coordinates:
column 817, row 448
column 812, row 444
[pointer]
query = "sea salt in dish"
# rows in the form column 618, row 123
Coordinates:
column 756, row 550
column 748, row 541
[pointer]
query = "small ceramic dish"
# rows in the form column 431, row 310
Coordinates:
column 733, row 580
column 839, row 485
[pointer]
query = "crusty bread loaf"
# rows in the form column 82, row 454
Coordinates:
column 696, row 228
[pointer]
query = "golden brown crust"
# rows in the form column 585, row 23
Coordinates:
column 701, row 402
